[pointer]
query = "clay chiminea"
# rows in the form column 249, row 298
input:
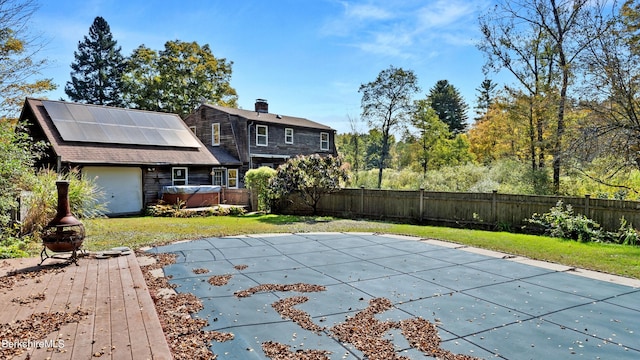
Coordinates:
column 64, row 233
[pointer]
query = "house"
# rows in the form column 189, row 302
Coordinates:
column 248, row 139
column 132, row 154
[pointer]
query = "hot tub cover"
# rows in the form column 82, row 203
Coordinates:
column 190, row 189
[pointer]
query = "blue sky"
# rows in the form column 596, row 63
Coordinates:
column 306, row 57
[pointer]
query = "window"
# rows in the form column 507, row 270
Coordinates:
column 179, row 176
column 215, row 134
column 288, row 136
column 262, row 135
column 324, row 141
column 193, row 128
column 233, row 178
column 219, row 177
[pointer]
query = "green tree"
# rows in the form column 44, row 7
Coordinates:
column 178, row 78
column 525, row 51
column 485, row 98
column 258, row 180
column 19, row 67
column 97, row 70
column 431, row 132
column 451, row 152
column 312, row 177
column 611, row 93
column 405, row 153
column 449, row 105
column 541, row 34
column 386, row 105
column 373, row 150
column 351, row 147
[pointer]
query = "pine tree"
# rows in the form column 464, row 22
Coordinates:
column 97, row 71
column 445, row 99
column 485, row 98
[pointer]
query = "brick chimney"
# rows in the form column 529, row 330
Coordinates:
column 262, row 106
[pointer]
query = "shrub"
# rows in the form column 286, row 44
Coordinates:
column 312, row 176
column 178, row 210
column 12, row 246
column 84, row 199
column 237, row 211
column 561, row 222
column 258, row 180
column 18, row 153
column 626, row 234
column 162, row 209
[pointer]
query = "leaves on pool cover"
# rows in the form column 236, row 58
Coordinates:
column 298, row 287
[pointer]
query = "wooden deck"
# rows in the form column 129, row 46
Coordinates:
column 121, row 323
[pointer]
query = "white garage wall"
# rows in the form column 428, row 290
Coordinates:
column 122, row 187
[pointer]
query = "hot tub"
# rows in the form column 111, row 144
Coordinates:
column 192, row 195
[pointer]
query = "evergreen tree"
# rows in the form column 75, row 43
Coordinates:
column 97, row 71
column 486, row 96
column 445, row 99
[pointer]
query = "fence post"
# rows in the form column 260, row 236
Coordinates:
column 586, row 205
column 361, row 200
column 494, row 206
column 421, row 204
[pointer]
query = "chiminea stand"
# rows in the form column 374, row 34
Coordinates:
column 64, row 233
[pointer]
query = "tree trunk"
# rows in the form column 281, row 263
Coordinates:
column 383, row 154
column 557, row 149
column 532, row 138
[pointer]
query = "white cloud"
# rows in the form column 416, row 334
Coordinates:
column 407, row 29
column 366, row 12
column 354, row 17
column 444, row 13
column 392, row 43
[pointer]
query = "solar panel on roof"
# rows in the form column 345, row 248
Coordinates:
column 91, row 123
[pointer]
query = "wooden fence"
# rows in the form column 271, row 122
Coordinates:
column 243, row 197
column 478, row 210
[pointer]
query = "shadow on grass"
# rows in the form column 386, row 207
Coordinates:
column 274, row 219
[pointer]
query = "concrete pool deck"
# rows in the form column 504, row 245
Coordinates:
column 484, row 304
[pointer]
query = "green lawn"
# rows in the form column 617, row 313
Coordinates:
column 145, row 231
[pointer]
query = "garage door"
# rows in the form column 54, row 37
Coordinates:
column 122, row 187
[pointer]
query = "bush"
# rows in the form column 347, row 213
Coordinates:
column 12, row 246
column 18, row 153
column 84, row 199
column 162, row 209
column 178, row 210
column 561, row 222
column 627, row 235
column 258, row 180
column 312, row 177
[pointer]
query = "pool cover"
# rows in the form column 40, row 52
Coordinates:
column 482, row 306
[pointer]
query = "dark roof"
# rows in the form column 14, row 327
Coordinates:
column 223, row 156
column 88, row 150
column 272, row 118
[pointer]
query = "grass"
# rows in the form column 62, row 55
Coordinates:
column 148, row 231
